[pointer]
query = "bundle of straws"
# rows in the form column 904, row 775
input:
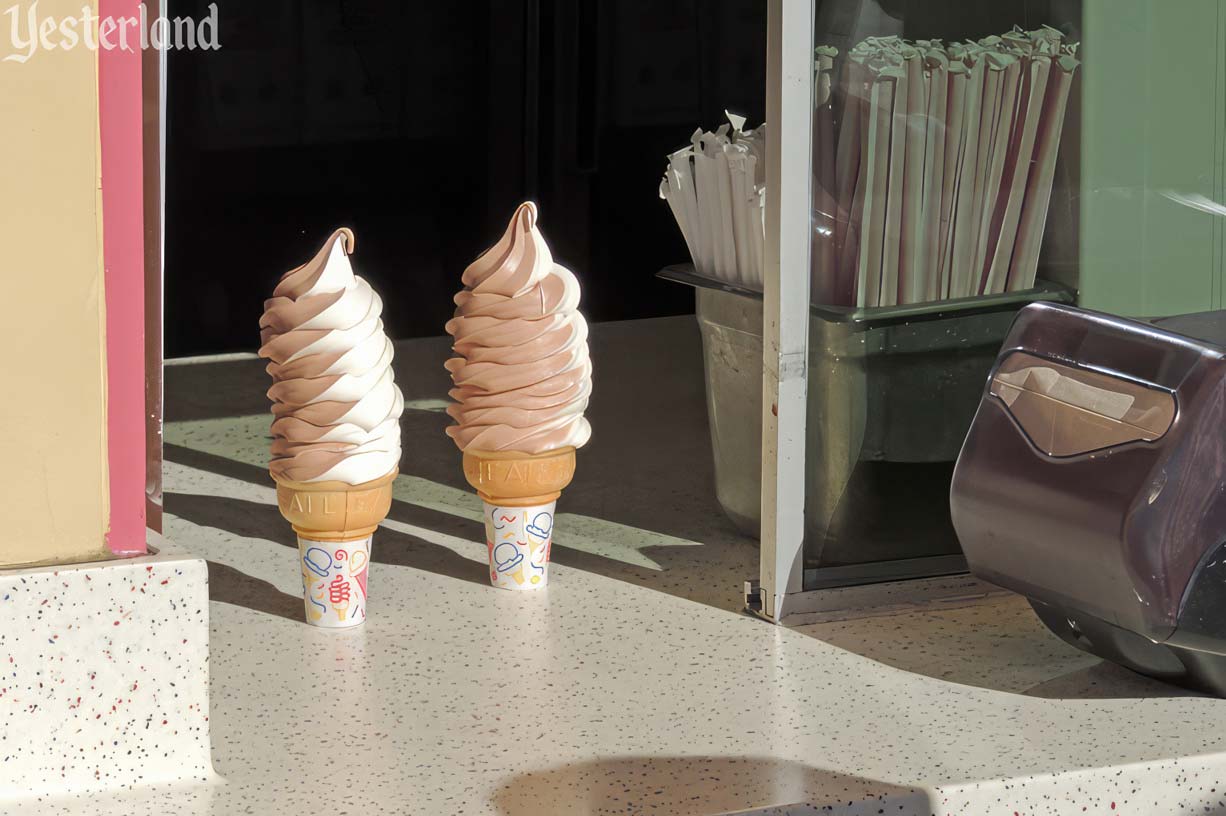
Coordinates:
column 716, row 188
column 933, row 167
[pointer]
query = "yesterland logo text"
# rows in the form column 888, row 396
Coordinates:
column 31, row 32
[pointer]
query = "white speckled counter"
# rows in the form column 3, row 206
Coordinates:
column 104, row 674
column 630, row 685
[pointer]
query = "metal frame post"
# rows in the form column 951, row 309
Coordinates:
column 785, row 348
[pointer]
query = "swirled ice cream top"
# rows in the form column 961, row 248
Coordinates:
column 336, row 410
column 522, row 373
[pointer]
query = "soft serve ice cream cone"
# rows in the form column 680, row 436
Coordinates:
column 336, row 426
column 522, row 380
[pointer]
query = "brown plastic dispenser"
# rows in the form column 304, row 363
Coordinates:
column 1093, row 481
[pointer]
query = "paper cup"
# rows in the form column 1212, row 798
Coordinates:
column 519, row 539
column 334, row 581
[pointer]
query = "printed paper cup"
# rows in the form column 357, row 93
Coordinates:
column 519, row 539
column 334, row 581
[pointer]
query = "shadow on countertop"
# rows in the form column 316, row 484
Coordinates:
column 681, row 785
column 257, row 520
column 648, row 466
column 251, row 519
column 237, row 588
column 998, row 644
column 1106, row 681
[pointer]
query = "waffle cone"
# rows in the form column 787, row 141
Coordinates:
column 514, row 479
column 335, row 511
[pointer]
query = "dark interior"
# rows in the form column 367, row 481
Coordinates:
column 422, row 125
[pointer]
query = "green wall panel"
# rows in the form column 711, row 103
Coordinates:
column 1151, row 130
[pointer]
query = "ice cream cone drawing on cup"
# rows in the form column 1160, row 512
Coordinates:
column 522, row 377
column 340, row 595
column 336, row 424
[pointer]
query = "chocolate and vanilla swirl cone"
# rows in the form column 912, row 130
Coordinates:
column 335, row 405
column 521, row 372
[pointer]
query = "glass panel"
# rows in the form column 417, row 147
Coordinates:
column 937, row 130
column 943, row 131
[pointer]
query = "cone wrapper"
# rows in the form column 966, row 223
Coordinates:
column 334, row 581
column 520, row 492
column 334, row 522
column 519, row 539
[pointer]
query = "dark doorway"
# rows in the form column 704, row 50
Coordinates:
column 421, row 125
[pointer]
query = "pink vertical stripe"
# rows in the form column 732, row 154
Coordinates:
column 119, row 113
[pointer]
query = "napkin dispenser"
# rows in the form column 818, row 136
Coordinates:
column 1093, row 482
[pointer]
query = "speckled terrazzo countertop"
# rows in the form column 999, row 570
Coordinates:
column 631, row 685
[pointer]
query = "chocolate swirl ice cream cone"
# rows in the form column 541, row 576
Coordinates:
column 522, row 378
column 336, row 427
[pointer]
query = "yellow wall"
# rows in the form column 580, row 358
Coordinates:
column 53, row 490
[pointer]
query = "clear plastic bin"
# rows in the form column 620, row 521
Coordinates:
column 892, row 391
